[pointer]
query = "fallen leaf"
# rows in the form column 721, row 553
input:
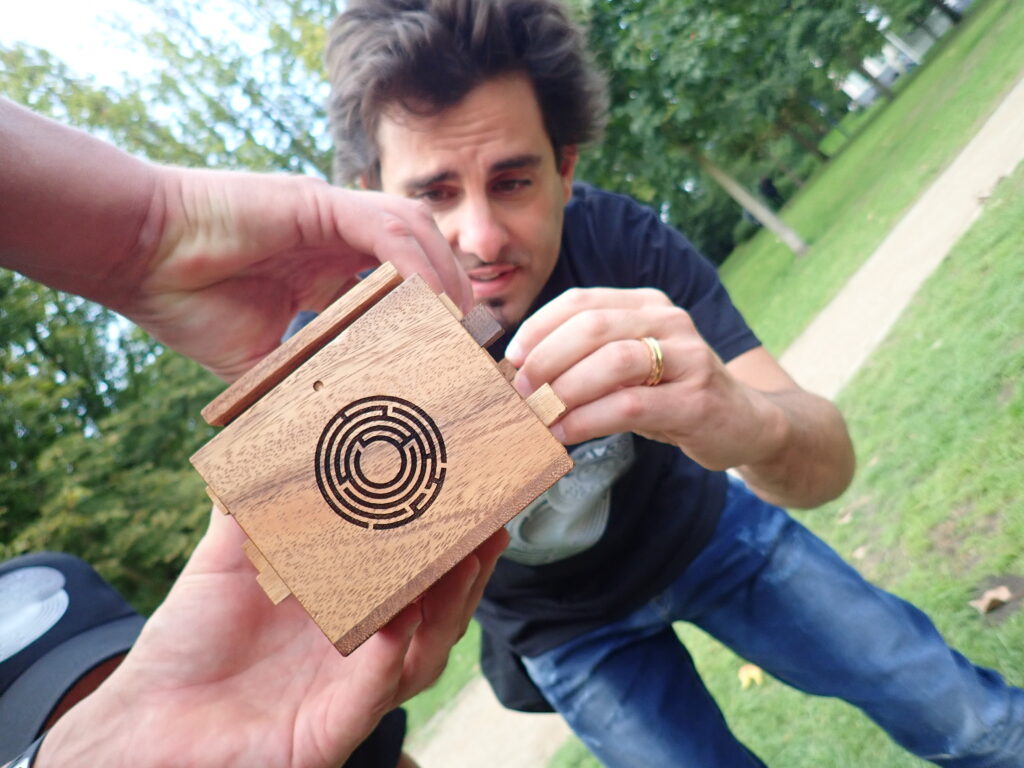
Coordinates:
column 992, row 599
column 750, row 674
column 860, row 552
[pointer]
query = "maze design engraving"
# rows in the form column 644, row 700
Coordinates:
column 380, row 462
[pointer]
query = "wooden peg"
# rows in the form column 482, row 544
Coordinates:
column 266, row 576
column 482, row 326
column 546, row 404
column 276, row 589
column 255, row 556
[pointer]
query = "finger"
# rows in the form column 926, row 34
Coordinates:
column 571, row 303
column 487, row 554
column 447, row 609
column 220, row 549
column 632, row 409
column 407, row 236
column 622, row 363
column 442, row 608
column 452, row 278
column 373, row 678
column 582, row 335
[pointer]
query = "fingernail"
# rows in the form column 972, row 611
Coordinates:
column 559, row 432
column 514, row 352
column 523, row 385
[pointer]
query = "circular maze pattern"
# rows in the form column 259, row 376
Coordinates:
column 380, row 426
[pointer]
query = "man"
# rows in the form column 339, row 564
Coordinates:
column 477, row 108
column 214, row 264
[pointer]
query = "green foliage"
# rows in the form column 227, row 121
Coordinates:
column 96, row 426
column 734, row 80
column 253, row 99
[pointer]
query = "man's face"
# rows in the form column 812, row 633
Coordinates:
column 487, row 169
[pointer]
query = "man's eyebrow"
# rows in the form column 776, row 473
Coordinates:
column 519, row 161
column 511, row 163
column 423, row 182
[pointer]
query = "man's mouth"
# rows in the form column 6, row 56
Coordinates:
column 490, row 273
column 491, row 279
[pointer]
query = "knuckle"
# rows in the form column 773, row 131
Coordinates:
column 655, row 296
column 421, row 210
column 632, row 405
column 395, row 226
column 593, row 323
column 703, row 364
column 679, row 318
column 577, row 299
column 623, row 358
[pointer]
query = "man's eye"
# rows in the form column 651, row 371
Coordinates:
column 434, row 195
column 511, row 185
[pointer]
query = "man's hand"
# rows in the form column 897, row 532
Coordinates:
column 747, row 414
column 221, row 677
column 212, row 263
column 234, row 256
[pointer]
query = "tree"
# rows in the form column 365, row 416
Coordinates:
column 97, row 421
column 708, row 85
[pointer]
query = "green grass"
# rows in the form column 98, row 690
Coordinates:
column 936, row 512
column 849, row 207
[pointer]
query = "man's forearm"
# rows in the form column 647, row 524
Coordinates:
column 812, row 460
column 73, row 210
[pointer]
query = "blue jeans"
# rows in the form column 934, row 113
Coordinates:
column 777, row 595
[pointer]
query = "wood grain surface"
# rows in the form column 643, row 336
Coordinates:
column 263, row 376
column 497, row 457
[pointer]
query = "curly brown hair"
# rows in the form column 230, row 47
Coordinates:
column 426, row 55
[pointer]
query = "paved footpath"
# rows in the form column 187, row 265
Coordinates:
column 474, row 730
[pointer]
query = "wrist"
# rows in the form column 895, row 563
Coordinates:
column 88, row 734
column 772, row 434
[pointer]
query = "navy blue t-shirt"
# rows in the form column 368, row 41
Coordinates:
column 661, row 507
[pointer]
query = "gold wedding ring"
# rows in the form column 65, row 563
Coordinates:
column 657, row 362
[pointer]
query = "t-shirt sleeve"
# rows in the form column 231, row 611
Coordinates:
column 668, row 261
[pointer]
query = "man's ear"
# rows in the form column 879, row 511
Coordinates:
column 567, row 158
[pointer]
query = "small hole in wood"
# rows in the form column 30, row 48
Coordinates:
column 318, row 385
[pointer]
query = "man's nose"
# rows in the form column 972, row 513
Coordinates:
column 479, row 231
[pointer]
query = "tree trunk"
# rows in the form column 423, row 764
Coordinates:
column 802, row 140
column 922, row 24
column 789, row 174
column 753, row 206
column 951, row 13
column 884, row 89
column 814, row 120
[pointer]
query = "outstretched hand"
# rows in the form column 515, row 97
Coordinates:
column 233, row 256
column 212, row 263
column 222, row 677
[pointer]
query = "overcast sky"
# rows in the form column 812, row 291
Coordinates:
column 75, row 31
